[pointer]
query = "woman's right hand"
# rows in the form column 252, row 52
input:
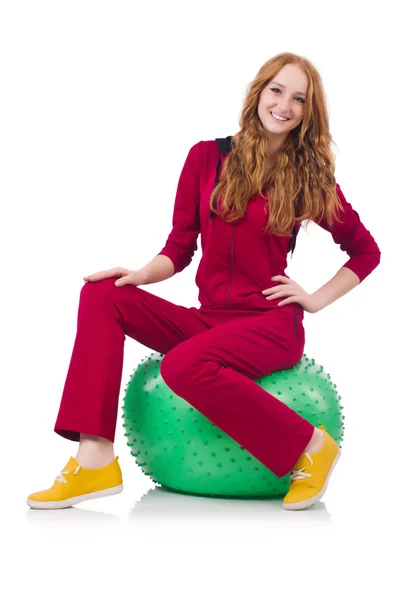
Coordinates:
column 126, row 277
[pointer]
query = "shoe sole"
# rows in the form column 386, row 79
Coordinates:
column 314, row 499
column 70, row 501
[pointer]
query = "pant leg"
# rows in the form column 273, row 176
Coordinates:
column 106, row 314
column 216, row 370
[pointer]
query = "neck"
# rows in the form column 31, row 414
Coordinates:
column 274, row 145
column 271, row 161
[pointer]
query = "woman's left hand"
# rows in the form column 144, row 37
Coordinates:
column 294, row 292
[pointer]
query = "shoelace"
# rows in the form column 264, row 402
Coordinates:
column 61, row 478
column 298, row 473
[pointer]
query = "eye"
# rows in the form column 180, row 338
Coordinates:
column 299, row 98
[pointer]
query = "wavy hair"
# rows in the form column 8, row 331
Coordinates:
column 302, row 185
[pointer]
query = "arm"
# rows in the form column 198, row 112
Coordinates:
column 363, row 251
column 158, row 269
column 182, row 241
column 341, row 283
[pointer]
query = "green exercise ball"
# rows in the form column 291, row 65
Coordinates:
column 179, row 448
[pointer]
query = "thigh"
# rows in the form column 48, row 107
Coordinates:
column 254, row 346
column 154, row 322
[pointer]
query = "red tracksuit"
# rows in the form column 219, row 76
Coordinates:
column 214, row 353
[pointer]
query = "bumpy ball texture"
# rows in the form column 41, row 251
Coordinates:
column 182, row 450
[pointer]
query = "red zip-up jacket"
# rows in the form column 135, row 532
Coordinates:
column 238, row 259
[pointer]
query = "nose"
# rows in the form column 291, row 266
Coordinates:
column 284, row 107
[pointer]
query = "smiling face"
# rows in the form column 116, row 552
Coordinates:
column 284, row 95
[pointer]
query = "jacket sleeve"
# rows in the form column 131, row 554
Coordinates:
column 182, row 241
column 353, row 238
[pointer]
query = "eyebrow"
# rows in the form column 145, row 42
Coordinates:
column 283, row 86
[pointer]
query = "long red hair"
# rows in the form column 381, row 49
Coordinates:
column 303, row 182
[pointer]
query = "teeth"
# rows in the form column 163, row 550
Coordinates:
column 276, row 117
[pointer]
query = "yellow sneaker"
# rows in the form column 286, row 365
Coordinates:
column 309, row 477
column 75, row 484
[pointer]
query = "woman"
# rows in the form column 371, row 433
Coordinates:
column 248, row 204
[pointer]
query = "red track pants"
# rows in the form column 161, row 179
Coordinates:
column 212, row 359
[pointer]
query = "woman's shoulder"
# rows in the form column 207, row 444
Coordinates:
column 204, row 152
column 208, row 145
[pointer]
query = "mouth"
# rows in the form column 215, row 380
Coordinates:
column 278, row 120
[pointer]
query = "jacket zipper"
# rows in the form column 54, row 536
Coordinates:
column 231, row 267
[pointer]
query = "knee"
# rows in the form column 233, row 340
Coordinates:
column 98, row 289
column 174, row 369
column 186, row 367
column 102, row 292
column 167, row 368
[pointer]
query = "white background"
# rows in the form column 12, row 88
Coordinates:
column 100, row 103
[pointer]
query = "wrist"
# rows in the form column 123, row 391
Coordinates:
column 316, row 303
column 143, row 276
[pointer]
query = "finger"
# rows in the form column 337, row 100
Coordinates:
column 275, row 296
column 272, row 289
column 94, row 276
column 281, row 278
column 288, row 300
column 104, row 274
